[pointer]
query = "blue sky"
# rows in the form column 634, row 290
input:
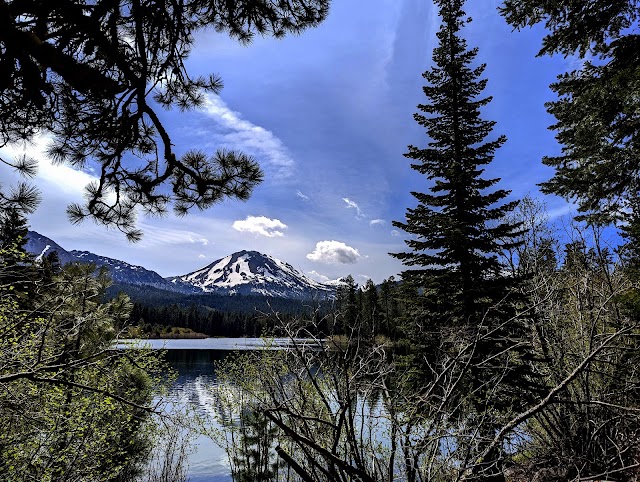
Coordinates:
column 328, row 114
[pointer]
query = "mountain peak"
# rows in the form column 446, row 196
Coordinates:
column 120, row 271
column 251, row 272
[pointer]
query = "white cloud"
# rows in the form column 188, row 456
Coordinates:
column 250, row 138
column 395, row 232
column 198, row 239
column 302, row 196
column 334, row 252
column 201, row 256
column 260, row 225
column 377, row 222
column 353, row 205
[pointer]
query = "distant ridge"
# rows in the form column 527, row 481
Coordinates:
column 120, row 271
column 242, row 273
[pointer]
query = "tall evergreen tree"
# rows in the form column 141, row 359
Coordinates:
column 347, row 305
column 13, row 237
column 458, row 231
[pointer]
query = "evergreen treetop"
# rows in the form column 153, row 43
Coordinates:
column 597, row 107
column 457, row 229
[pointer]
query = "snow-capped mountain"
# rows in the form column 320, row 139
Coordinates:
column 241, row 273
column 253, row 273
column 121, row 272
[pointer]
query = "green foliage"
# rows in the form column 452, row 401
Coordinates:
column 630, row 250
column 573, row 27
column 247, row 436
column 591, row 426
column 71, row 406
column 21, row 199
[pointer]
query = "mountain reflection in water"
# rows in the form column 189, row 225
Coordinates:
column 194, row 363
column 195, row 370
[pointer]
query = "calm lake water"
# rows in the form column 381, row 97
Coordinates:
column 215, row 344
column 195, row 367
column 194, row 361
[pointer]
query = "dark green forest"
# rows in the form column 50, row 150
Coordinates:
column 507, row 350
column 236, row 316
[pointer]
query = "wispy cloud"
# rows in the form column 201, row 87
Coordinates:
column 250, row 138
column 302, row 196
column 62, row 178
column 260, row 225
column 353, row 205
column 334, row 252
column 395, row 232
column 157, row 236
column 561, row 211
column 377, row 222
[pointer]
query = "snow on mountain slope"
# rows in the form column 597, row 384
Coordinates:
column 251, row 272
column 241, row 273
column 120, row 271
column 41, row 246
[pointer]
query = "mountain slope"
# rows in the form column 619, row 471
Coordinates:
column 242, row 273
column 40, row 246
column 120, row 271
column 253, row 273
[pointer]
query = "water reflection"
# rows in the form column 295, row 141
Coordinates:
column 218, row 344
column 195, row 370
column 198, row 388
column 194, row 391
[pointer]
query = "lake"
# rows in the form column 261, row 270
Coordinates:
column 374, row 429
column 215, row 344
column 194, row 362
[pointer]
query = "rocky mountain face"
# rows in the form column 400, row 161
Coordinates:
column 121, row 272
column 241, row 273
column 41, row 246
column 254, row 273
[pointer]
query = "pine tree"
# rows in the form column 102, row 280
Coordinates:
column 13, row 229
column 347, row 306
column 95, row 74
column 457, row 231
column 13, row 237
column 371, row 309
